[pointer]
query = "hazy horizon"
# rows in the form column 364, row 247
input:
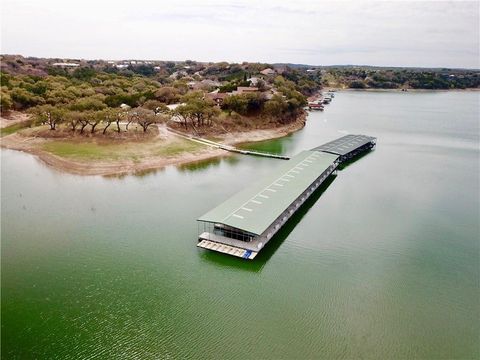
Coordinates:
column 420, row 34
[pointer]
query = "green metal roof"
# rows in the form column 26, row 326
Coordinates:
column 255, row 208
column 345, row 144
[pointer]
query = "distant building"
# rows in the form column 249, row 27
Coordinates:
column 253, row 81
column 209, row 82
column 244, row 90
column 217, row 97
column 178, row 74
column 122, row 66
column 193, row 85
column 268, row 72
column 65, row 64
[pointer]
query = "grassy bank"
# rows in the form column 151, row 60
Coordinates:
column 14, row 128
column 93, row 150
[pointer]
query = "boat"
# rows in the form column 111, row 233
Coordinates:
column 315, row 106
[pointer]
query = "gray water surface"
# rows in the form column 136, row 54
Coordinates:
column 382, row 263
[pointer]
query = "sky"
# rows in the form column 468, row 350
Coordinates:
column 379, row 33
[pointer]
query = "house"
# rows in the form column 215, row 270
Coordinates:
column 253, row 81
column 217, row 97
column 268, row 72
column 211, row 83
column 65, row 64
column 244, row 90
column 192, row 85
column 178, row 74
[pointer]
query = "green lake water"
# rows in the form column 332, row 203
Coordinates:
column 382, row 263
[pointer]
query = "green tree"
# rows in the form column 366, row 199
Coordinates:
column 88, row 103
column 6, row 102
column 155, row 105
column 237, row 103
column 276, row 106
column 23, row 99
column 109, row 116
column 48, row 114
column 146, row 118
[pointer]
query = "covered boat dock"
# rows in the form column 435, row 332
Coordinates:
column 245, row 223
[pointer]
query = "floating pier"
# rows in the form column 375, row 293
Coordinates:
column 245, row 223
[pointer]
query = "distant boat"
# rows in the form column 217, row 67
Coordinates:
column 315, row 106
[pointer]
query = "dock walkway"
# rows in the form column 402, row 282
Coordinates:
column 229, row 147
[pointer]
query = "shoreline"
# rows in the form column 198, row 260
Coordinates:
column 121, row 167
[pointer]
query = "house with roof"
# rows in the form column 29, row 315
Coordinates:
column 268, row 72
column 245, row 90
column 217, row 97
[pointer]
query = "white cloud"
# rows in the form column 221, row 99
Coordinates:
column 344, row 32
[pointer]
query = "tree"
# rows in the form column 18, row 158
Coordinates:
column 83, row 73
column 109, row 116
column 167, row 95
column 211, row 113
column 94, row 118
column 131, row 116
column 145, row 118
column 83, row 121
column 197, row 107
column 275, row 106
column 73, row 119
column 183, row 113
column 357, row 84
column 5, row 102
column 23, row 99
column 157, row 106
column 88, row 103
column 237, row 103
column 48, row 114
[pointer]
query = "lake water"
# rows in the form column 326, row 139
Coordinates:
column 382, row 263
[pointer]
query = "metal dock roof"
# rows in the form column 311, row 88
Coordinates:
column 255, row 208
column 345, row 144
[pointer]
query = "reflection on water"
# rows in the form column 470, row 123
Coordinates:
column 200, row 165
column 276, row 146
